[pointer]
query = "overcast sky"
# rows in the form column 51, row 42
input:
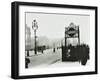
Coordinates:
column 53, row 25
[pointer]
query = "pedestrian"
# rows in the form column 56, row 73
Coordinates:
column 27, row 52
column 53, row 49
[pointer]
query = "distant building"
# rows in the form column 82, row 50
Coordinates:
column 27, row 38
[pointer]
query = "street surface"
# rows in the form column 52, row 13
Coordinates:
column 49, row 59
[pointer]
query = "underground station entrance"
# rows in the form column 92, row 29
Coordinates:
column 70, row 52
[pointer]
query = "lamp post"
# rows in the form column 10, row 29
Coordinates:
column 35, row 27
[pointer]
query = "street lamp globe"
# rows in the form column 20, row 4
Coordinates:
column 34, row 25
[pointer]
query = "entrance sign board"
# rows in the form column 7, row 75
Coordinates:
column 72, row 30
